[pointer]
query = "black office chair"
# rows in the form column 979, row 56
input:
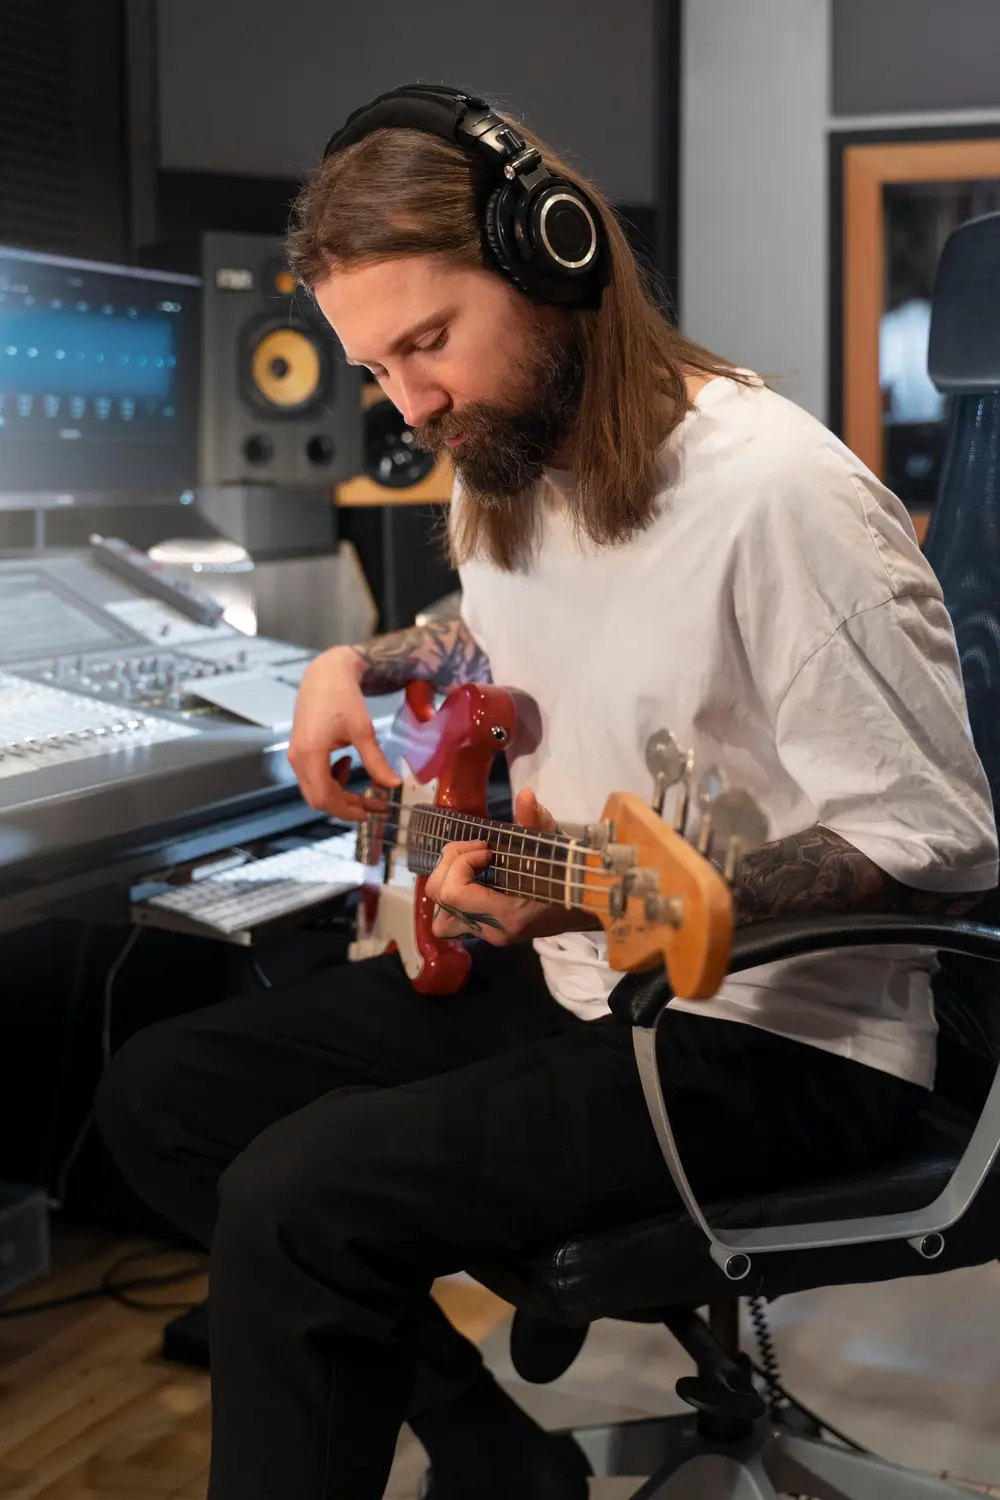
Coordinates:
column 936, row 1208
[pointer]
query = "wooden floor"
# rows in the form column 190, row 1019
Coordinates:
column 89, row 1411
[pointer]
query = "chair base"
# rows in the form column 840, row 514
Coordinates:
column 685, row 1465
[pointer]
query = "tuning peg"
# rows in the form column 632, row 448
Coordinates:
column 592, row 835
column 669, row 765
column 737, row 824
column 712, row 784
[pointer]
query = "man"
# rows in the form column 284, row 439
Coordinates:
column 647, row 537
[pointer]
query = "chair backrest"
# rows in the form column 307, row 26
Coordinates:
column 963, row 547
column 963, row 540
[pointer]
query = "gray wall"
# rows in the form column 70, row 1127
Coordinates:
column 755, row 209
column 256, row 87
column 753, row 170
column 951, row 50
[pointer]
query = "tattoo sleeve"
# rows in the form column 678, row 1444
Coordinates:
column 442, row 652
column 818, row 873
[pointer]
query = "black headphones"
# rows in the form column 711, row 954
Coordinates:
column 540, row 231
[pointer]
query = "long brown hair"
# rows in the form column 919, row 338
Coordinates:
column 405, row 192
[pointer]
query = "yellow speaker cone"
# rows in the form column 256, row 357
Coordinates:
column 286, row 368
column 284, row 283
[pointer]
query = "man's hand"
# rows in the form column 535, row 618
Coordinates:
column 331, row 715
column 330, row 712
column 466, row 909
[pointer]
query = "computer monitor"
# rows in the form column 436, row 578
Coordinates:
column 98, row 381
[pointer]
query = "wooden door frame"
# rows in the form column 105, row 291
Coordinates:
column 861, row 164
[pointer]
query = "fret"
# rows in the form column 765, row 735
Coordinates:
column 525, row 887
column 523, row 861
column 533, row 863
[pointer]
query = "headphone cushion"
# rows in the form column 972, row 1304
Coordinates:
column 497, row 222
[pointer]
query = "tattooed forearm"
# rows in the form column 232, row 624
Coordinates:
column 442, row 652
column 818, row 873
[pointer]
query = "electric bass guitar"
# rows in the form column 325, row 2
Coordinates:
column 657, row 895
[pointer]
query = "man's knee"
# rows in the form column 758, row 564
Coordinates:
column 287, row 1193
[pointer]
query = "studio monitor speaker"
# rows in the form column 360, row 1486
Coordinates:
column 280, row 406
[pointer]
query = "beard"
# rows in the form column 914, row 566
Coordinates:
column 510, row 442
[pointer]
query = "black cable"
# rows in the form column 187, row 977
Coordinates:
column 117, row 1291
column 109, row 984
column 770, row 1372
column 768, row 1357
column 822, row 1424
column 58, row 1193
column 63, row 1067
column 259, row 974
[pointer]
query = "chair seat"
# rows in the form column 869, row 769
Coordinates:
column 584, row 1276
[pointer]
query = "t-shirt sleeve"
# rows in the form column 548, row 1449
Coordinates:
column 873, row 727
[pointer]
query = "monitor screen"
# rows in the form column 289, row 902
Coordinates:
column 98, row 378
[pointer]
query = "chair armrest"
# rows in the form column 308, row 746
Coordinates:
column 764, row 943
column 638, row 999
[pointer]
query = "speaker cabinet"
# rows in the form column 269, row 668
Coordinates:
column 280, row 406
column 394, row 471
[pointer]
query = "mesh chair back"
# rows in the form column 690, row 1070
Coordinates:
column 963, row 547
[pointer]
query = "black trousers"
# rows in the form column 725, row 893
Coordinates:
column 341, row 1142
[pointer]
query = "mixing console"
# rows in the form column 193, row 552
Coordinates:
column 43, row 726
column 159, row 679
column 112, row 765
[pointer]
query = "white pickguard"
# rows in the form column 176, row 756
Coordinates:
column 394, row 919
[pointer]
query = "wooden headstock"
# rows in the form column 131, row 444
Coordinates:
column 676, row 906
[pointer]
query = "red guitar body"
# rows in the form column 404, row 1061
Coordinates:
column 448, row 756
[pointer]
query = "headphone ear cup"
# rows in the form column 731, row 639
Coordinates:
column 498, row 233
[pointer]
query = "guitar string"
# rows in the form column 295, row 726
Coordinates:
column 523, row 854
column 429, row 811
column 474, row 820
column 522, row 858
column 471, row 820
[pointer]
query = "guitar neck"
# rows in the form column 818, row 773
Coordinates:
column 540, row 866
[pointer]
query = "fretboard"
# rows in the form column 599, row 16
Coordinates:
column 541, row 866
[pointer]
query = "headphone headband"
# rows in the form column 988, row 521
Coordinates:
column 542, row 232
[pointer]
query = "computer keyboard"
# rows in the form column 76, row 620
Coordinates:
column 231, row 902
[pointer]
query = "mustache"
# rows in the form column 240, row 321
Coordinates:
column 477, row 420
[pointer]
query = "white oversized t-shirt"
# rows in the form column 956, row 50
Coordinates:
column 779, row 618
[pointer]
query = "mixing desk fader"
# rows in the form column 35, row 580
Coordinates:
column 42, row 726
